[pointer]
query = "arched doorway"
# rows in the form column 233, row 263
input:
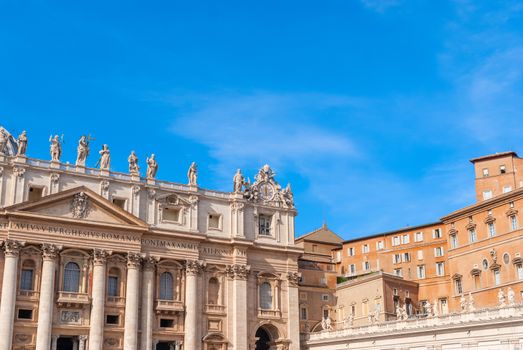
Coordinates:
column 264, row 339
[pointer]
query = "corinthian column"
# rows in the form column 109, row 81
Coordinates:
column 192, row 270
column 293, row 322
column 7, row 307
column 147, row 303
column 239, row 274
column 96, row 329
column 130, row 341
column 45, row 304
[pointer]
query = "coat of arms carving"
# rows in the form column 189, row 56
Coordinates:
column 80, row 206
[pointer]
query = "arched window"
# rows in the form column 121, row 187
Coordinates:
column 72, row 277
column 113, row 282
column 266, row 296
column 213, row 291
column 27, row 275
column 166, row 286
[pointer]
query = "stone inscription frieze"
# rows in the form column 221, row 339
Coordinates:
column 90, row 234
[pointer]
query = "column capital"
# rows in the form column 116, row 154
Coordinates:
column 293, row 278
column 238, row 271
column 50, row 251
column 12, row 247
column 150, row 262
column 100, row 256
column 194, row 267
column 134, row 260
column 82, row 337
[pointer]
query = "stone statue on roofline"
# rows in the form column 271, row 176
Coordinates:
column 105, row 158
column 152, row 167
column 22, row 144
column 238, row 181
column 511, row 296
column 428, row 309
column 501, row 298
column 192, row 174
column 82, row 151
column 463, row 303
column 56, row 148
column 3, row 142
column 134, row 168
column 470, row 303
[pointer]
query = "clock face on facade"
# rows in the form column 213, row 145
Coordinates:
column 266, row 191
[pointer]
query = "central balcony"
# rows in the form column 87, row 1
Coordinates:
column 72, row 299
column 169, row 306
column 28, row 294
column 215, row 309
column 262, row 313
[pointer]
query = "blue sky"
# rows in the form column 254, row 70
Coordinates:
column 371, row 108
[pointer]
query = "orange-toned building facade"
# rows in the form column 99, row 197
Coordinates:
column 473, row 252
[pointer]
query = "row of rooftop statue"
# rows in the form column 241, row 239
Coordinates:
column 18, row 147
column 429, row 310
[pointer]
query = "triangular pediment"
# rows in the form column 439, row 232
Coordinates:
column 79, row 204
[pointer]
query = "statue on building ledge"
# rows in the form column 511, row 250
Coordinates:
column 152, row 167
column 105, row 158
column 56, row 148
column 238, row 181
column 3, row 142
column 501, row 298
column 134, row 168
column 22, row 144
column 511, row 296
column 192, row 174
column 82, row 151
column 463, row 303
column 470, row 303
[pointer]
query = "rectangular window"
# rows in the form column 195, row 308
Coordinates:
column 507, row 189
column 420, row 254
column 364, row 308
column 472, row 235
column 513, row 222
column 24, row 314
column 395, row 241
column 457, row 286
column 264, row 222
column 171, row 214
column 436, row 233
column 485, row 172
column 326, row 313
column 214, row 221
column 366, row 265
column 166, row 323
column 406, row 257
column 438, row 251
column 119, row 202
column 303, row 313
column 365, row 248
column 380, row 245
column 440, row 268
column 477, row 282
column 421, row 271
column 325, row 297
column 112, row 286
column 353, row 310
column 487, row 195
column 323, row 281
column 453, row 241
column 444, row 307
column 502, row 169
column 26, row 279
column 351, row 251
column 418, row 237
column 112, row 319
column 396, row 258
column 497, row 277
column 406, row 239
column 519, row 271
column 352, row 269
column 491, row 229
column 35, row 193
column 398, row 272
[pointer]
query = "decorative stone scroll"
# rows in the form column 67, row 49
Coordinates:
column 55, row 177
column 67, row 316
column 12, row 247
column 194, row 267
column 100, row 256
column 237, row 207
column 293, row 278
column 50, row 251
column 238, row 271
column 19, row 171
column 80, row 206
column 134, row 260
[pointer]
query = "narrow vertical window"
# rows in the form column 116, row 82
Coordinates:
column 453, row 241
column 497, row 277
column 213, row 291
column 26, row 279
column 71, row 277
column 166, row 286
column 472, row 235
column 491, row 229
column 265, row 296
column 513, row 222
